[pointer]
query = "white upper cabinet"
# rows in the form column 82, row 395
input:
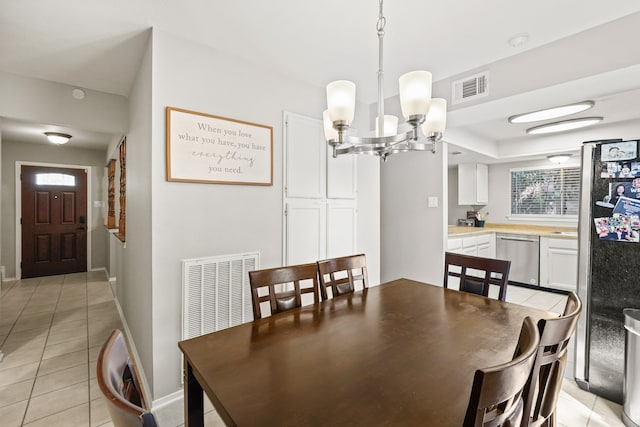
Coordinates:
column 473, row 184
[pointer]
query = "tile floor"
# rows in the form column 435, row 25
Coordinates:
column 52, row 328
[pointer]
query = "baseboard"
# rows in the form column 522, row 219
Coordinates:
column 169, row 410
column 8, row 279
column 134, row 352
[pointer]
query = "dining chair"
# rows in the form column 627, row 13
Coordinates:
column 303, row 277
column 119, row 382
column 496, row 394
column 341, row 274
column 495, row 272
column 545, row 382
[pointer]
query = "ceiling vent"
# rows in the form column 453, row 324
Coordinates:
column 470, row 88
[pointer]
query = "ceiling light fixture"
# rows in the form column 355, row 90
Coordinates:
column 559, row 158
column 564, row 125
column 552, row 113
column 58, row 138
column 427, row 117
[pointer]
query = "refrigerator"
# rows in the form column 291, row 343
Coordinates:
column 608, row 262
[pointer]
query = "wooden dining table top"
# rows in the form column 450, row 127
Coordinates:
column 402, row 353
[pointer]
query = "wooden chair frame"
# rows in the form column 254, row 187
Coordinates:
column 496, row 394
column 544, row 385
column 113, row 362
column 344, row 285
column 284, row 300
column 468, row 282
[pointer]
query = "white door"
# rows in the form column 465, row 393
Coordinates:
column 305, row 157
column 305, row 230
column 320, row 195
column 341, row 228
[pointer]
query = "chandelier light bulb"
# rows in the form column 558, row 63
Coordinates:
column 437, row 118
column 341, row 100
column 415, row 93
column 390, row 125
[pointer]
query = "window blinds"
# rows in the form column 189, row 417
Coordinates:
column 554, row 192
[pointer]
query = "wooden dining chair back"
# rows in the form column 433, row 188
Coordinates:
column 119, row 382
column 485, row 272
column 273, row 286
column 341, row 274
column 543, row 388
column 496, row 394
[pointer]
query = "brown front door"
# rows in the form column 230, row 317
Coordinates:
column 54, row 221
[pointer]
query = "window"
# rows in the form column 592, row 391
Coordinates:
column 55, row 179
column 548, row 191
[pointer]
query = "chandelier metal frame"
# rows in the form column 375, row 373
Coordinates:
column 413, row 139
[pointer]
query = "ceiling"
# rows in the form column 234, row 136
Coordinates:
column 98, row 45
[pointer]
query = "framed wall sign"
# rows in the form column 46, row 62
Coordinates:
column 212, row 149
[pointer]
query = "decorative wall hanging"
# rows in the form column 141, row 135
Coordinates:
column 212, row 149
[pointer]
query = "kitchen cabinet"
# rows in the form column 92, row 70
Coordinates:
column 483, row 245
column 559, row 263
column 473, row 184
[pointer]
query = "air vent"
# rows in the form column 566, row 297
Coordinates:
column 469, row 88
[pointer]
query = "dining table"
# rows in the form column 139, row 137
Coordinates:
column 398, row 354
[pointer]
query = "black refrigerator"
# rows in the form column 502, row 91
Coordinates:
column 608, row 262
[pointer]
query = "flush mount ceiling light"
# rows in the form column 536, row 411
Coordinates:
column 426, row 117
column 564, row 125
column 552, row 113
column 58, row 138
column 559, row 158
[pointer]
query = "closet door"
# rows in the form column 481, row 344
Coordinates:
column 320, row 195
column 305, row 157
column 341, row 228
column 305, row 231
column 341, row 176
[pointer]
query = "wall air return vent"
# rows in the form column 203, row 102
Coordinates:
column 470, row 88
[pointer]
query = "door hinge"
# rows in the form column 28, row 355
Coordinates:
column 20, row 221
column 286, row 190
column 286, row 211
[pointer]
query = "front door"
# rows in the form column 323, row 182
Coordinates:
column 54, row 221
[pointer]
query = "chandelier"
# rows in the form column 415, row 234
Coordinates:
column 425, row 117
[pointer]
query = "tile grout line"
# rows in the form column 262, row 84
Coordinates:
column 33, row 386
column 41, row 359
column 86, row 292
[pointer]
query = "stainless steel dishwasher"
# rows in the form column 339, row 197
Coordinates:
column 524, row 254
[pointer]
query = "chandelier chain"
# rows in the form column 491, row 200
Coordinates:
column 382, row 21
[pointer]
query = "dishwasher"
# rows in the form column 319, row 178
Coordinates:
column 524, row 254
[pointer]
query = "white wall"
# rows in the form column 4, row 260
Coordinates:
column 412, row 234
column 133, row 269
column 195, row 220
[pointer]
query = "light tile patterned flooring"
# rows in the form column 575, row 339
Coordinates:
column 52, row 328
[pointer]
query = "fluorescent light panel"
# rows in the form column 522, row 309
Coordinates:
column 551, row 113
column 564, row 125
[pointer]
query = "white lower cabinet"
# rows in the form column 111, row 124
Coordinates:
column 559, row 263
column 483, row 245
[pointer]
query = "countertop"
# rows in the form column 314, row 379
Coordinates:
column 535, row 230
